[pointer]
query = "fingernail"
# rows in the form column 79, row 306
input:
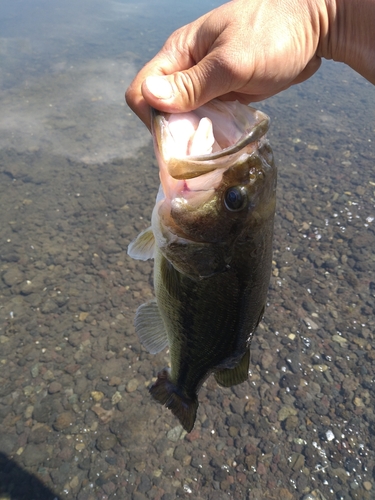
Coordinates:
column 159, row 87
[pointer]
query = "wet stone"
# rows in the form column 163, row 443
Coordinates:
column 13, row 277
column 145, row 484
column 174, row 434
column 179, row 452
column 64, row 420
column 293, row 360
column 106, row 441
column 43, row 411
column 290, row 380
column 111, row 368
column 132, row 385
column 291, row 423
column 7, row 443
column 54, row 387
column 232, row 431
column 297, row 461
column 49, row 307
column 285, row 412
column 38, row 435
column 92, row 374
column 27, row 288
column 266, row 360
column 34, row 455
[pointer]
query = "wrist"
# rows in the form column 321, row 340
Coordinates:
column 347, row 34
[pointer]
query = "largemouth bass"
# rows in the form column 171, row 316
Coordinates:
column 211, row 239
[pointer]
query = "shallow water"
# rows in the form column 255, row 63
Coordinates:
column 78, row 181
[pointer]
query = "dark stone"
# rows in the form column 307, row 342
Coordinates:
column 290, row 380
column 7, row 443
column 34, row 455
column 293, row 361
column 145, row 484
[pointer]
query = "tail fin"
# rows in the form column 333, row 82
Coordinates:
column 166, row 393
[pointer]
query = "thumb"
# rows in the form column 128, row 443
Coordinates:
column 186, row 90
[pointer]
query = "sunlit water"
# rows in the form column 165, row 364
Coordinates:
column 77, row 183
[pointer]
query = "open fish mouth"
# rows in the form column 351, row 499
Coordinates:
column 213, row 136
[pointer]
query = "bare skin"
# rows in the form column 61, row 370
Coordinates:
column 251, row 49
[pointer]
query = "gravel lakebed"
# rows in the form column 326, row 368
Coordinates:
column 76, row 419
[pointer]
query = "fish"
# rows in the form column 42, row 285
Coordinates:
column 211, row 240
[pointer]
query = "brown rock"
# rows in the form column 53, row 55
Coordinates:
column 54, row 387
column 64, row 420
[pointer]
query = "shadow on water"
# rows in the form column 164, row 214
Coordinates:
column 18, row 484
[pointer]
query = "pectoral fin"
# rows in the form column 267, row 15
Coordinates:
column 143, row 247
column 150, row 327
column 236, row 375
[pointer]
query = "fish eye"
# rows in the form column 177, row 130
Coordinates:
column 235, row 198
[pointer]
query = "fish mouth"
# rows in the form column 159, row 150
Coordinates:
column 195, row 150
column 212, row 137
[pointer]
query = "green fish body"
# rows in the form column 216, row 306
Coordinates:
column 211, row 238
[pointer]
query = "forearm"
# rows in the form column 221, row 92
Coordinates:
column 350, row 37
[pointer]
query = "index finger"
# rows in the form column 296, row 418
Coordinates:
column 172, row 58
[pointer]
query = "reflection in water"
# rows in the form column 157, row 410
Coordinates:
column 77, row 182
column 77, row 111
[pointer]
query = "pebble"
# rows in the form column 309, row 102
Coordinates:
column 314, row 495
column 28, row 287
column 284, row 494
column 13, row 277
column 115, row 381
column 97, row 395
column 7, row 443
column 64, row 420
column 175, row 433
column 104, row 415
column 311, row 324
column 285, row 412
column 291, row 422
column 367, row 485
column 132, row 385
column 34, row 454
column 340, row 340
column 35, row 370
column 297, row 461
column 49, row 307
column 294, row 362
column 106, row 441
column 111, row 368
column 358, row 402
column 116, row 398
column 54, row 387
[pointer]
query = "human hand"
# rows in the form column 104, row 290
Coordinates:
column 246, row 50
column 250, row 50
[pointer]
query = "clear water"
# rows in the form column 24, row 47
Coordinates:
column 78, row 181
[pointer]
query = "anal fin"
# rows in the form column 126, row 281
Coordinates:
column 233, row 376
